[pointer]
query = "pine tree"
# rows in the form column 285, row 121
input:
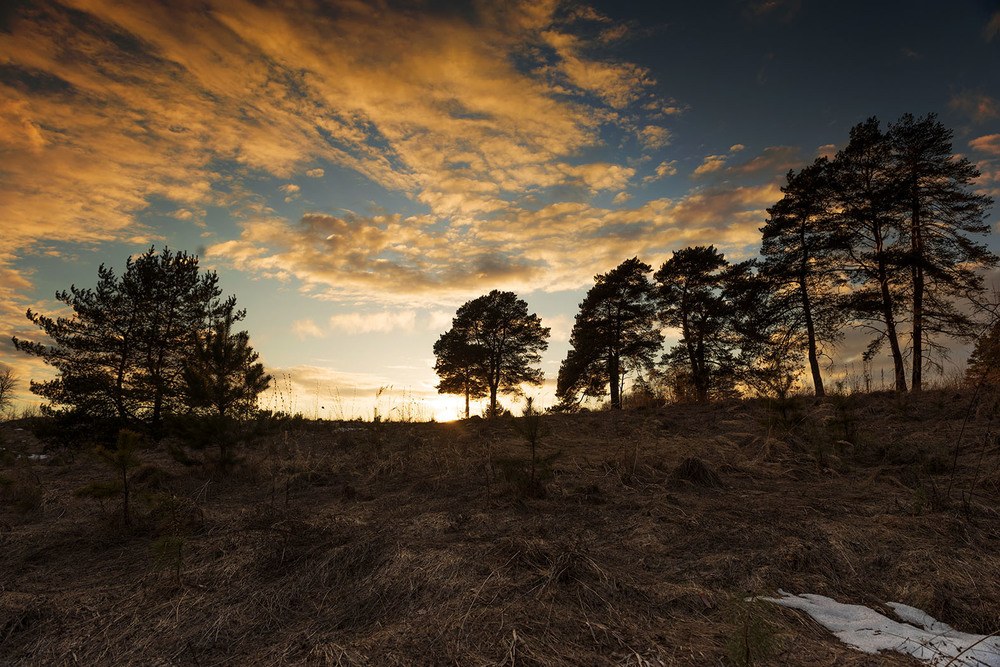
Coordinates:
column 223, row 375
column 799, row 260
column 690, row 296
column 984, row 362
column 940, row 212
column 504, row 341
column 222, row 380
column 457, row 364
column 765, row 332
column 871, row 237
column 121, row 353
column 615, row 334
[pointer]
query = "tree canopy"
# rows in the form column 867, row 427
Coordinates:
column 690, row 286
column 938, row 213
column 798, row 250
column 458, row 363
column 615, row 334
column 496, row 343
column 121, row 354
column 222, row 374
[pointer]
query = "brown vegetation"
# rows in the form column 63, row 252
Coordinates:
column 384, row 543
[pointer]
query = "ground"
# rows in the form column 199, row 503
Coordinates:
column 637, row 543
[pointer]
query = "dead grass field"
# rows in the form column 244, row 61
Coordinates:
column 423, row 544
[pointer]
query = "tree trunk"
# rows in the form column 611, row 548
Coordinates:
column 890, row 328
column 613, row 382
column 811, row 337
column 807, row 313
column 917, row 252
column 700, row 374
column 466, row 398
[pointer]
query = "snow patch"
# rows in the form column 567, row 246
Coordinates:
column 921, row 636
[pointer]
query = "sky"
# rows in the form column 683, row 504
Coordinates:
column 355, row 171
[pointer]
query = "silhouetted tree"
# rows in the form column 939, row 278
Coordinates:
column 457, row 364
column 984, row 362
column 939, row 213
column 765, row 331
column 121, row 353
column 221, row 380
column 615, row 334
column 690, row 296
column 505, row 343
column 222, row 375
column 799, row 261
column 8, row 383
column 871, row 236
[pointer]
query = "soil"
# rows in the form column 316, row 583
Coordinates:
column 636, row 540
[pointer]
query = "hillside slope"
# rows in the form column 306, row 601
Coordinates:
column 360, row 543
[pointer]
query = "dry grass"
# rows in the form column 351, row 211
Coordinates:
column 354, row 544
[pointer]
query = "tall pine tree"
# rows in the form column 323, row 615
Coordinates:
column 691, row 299
column 798, row 252
column 871, row 237
column 939, row 212
column 615, row 334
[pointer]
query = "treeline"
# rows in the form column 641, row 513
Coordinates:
column 882, row 237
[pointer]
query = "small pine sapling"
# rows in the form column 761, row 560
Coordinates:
column 121, row 460
column 174, row 513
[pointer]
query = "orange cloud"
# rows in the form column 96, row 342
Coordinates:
column 989, row 143
column 992, row 28
column 662, row 170
column 654, row 137
column 777, row 159
column 111, row 106
column 710, row 164
column 560, row 246
column 981, row 108
column 156, row 110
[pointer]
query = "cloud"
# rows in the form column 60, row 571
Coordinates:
column 714, row 163
column 826, row 150
column 773, row 159
column 159, row 100
column 561, row 326
column 989, row 143
column 979, row 107
column 711, row 164
column 132, row 108
column 617, row 84
column 383, row 322
column 989, row 168
column 439, row 320
column 654, row 137
column 662, row 170
column 621, row 198
column 306, row 329
column 992, row 28
column 412, row 261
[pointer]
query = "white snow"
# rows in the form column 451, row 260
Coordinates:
column 921, row 635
